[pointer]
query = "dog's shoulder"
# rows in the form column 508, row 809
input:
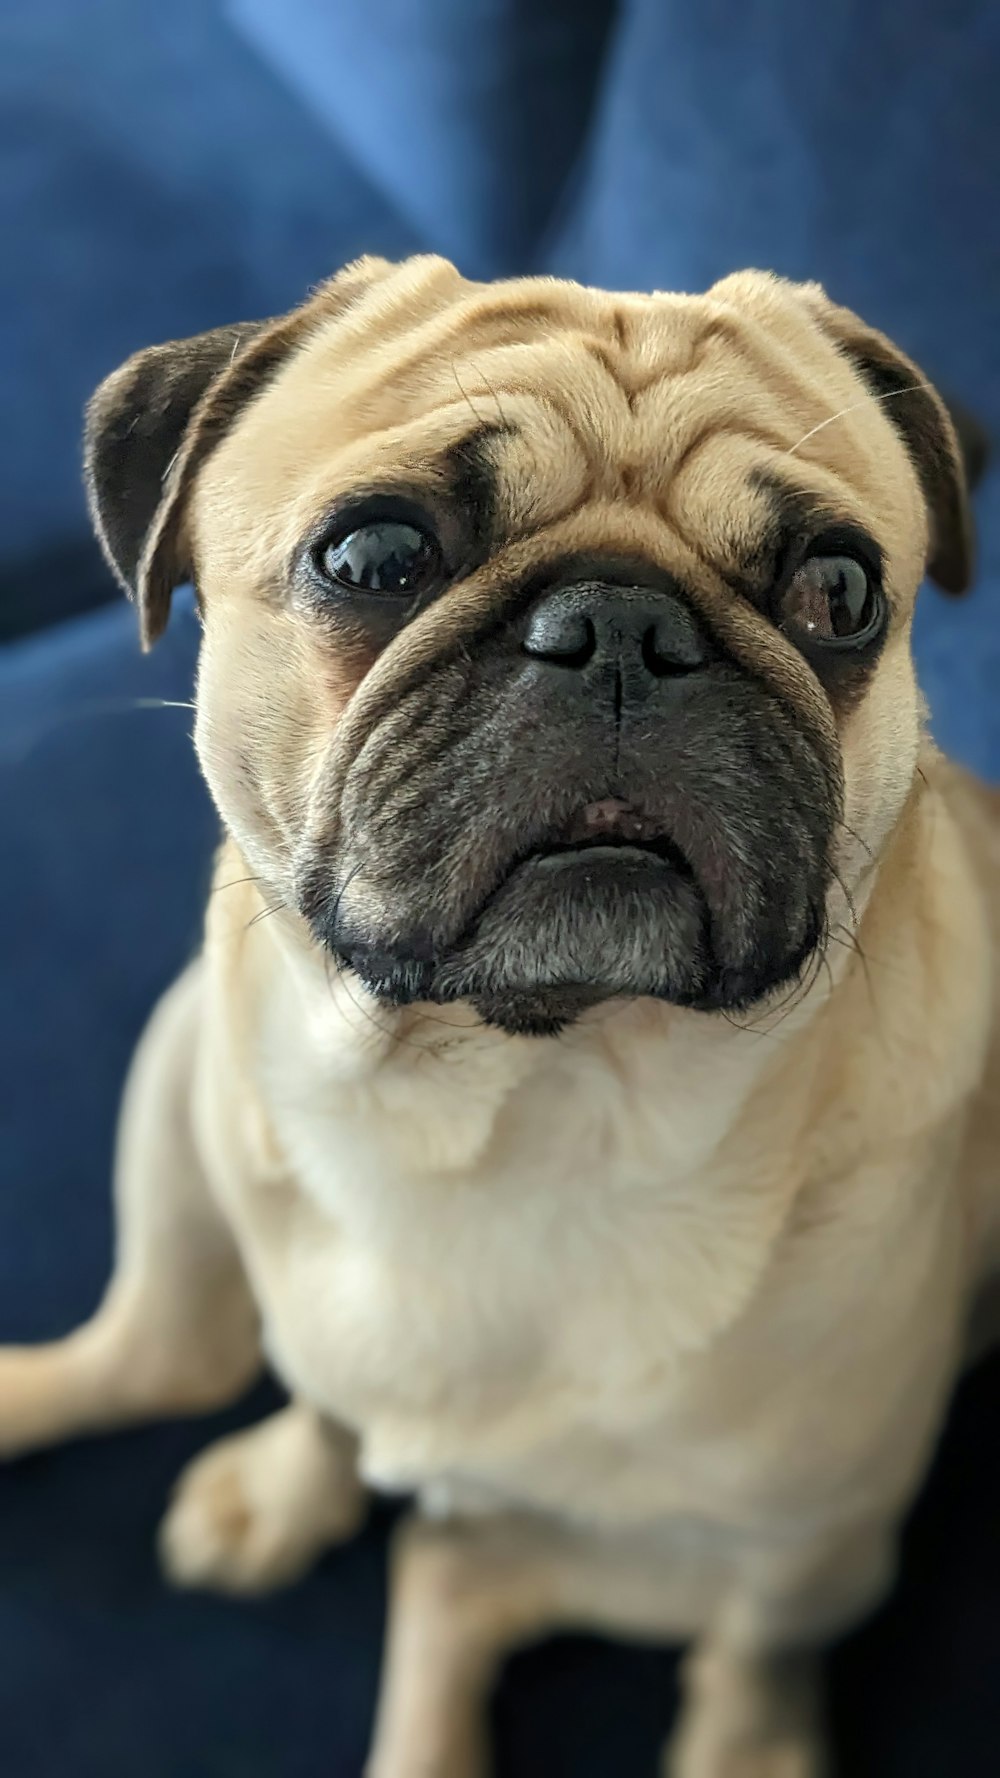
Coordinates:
column 975, row 808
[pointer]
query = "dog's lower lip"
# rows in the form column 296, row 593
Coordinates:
column 583, row 852
column 599, row 851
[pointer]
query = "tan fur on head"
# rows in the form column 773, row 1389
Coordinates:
column 156, row 419
column 656, row 428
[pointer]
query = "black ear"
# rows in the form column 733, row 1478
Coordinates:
column 134, row 426
column 152, row 423
column 928, row 431
column 974, row 442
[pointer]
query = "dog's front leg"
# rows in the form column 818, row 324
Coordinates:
column 753, row 1704
column 465, row 1594
column 462, row 1595
column 177, row 1331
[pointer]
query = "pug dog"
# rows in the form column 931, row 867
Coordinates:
column 586, row 1098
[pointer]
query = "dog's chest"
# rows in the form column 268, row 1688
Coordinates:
column 494, row 1280
column 476, row 1349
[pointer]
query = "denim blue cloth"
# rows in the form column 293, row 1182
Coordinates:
column 155, row 179
column 857, row 143
column 162, row 170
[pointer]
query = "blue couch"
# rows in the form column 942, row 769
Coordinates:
column 163, row 174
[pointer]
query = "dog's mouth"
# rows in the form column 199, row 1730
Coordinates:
column 611, row 821
column 603, row 904
column 612, row 832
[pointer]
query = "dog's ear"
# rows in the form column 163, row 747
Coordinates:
column 152, row 423
column 974, row 442
column 138, row 437
column 922, row 418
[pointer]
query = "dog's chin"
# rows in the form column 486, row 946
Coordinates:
column 566, row 930
column 571, row 928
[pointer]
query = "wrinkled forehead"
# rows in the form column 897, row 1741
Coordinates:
column 688, row 408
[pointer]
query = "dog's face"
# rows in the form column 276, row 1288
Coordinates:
column 556, row 643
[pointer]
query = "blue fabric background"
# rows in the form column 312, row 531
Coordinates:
column 163, row 170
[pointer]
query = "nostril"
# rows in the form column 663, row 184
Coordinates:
column 567, row 637
column 670, row 649
column 618, row 627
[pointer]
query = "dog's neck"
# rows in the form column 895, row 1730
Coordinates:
column 414, row 1131
column 440, row 1086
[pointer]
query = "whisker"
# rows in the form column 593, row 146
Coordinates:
column 748, row 1030
column 344, row 972
column 233, row 883
column 806, row 982
column 754, row 1025
column 496, row 398
column 399, row 1038
column 159, row 704
column 340, row 965
column 891, row 395
column 839, row 936
column 846, row 893
column 466, row 396
column 343, row 976
column 262, row 913
column 83, row 712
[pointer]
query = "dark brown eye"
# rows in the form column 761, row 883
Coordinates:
column 389, row 556
column 831, row 599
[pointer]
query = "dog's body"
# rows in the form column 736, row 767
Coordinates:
column 611, row 1337
column 656, row 1314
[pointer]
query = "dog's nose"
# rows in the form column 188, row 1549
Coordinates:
column 631, row 628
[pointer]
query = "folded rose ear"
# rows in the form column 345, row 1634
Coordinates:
column 140, row 430
column 974, row 442
column 152, row 423
column 923, row 420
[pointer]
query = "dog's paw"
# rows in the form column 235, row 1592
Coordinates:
column 466, row 1754
column 788, row 1759
column 420, row 1769
column 741, row 1720
column 255, row 1511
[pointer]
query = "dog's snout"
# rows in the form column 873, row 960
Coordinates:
column 626, row 627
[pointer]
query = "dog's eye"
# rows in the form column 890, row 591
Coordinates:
column 389, row 556
column 831, row 599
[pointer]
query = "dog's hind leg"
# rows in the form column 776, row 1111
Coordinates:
column 177, row 1329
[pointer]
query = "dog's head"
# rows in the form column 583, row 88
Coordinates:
column 557, row 644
